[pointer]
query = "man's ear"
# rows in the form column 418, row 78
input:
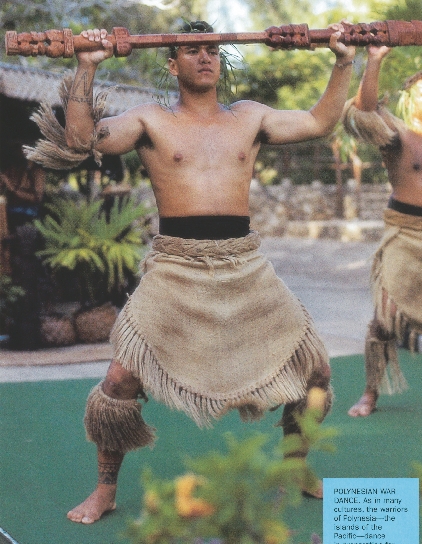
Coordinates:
column 172, row 64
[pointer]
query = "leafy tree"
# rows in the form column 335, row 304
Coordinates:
column 402, row 62
column 285, row 79
column 273, row 12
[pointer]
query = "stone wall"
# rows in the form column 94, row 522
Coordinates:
column 321, row 202
column 319, row 211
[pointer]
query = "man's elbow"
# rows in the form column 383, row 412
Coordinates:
column 75, row 142
column 327, row 129
column 322, row 126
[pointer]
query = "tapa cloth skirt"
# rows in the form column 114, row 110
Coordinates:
column 211, row 327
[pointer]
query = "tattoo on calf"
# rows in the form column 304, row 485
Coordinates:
column 108, row 472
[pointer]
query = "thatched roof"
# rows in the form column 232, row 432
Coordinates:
column 36, row 85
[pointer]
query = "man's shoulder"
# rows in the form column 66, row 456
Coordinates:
column 247, row 106
column 151, row 106
column 148, row 110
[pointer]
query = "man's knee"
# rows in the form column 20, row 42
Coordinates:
column 320, row 378
column 120, row 383
column 115, row 424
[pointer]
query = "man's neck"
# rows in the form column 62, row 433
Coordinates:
column 199, row 104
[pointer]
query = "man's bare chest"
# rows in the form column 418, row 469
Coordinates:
column 181, row 142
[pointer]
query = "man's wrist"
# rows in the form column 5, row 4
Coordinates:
column 374, row 60
column 340, row 63
column 88, row 65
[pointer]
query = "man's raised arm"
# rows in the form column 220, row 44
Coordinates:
column 79, row 116
column 367, row 95
column 327, row 111
column 296, row 126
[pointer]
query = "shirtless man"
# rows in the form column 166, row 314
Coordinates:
column 396, row 279
column 199, row 156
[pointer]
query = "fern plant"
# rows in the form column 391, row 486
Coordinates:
column 100, row 249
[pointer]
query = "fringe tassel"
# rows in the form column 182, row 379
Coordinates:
column 288, row 385
column 377, row 127
column 116, row 425
column 52, row 151
column 383, row 371
column 394, row 321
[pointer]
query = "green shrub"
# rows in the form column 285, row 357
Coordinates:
column 232, row 498
column 100, row 248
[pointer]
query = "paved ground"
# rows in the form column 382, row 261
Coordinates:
column 330, row 277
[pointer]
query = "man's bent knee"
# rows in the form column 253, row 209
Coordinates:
column 120, row 383
column 115, row 424
column 113, row 418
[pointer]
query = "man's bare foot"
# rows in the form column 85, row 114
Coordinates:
column 315, row 491
column 365, row 405
column 97, row 504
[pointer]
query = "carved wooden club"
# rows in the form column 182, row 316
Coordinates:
column 62, row 43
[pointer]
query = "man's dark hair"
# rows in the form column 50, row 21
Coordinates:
column 227, row 77
column 187, row 28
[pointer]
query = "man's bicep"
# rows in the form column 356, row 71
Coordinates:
column 117, row 135
column 287, row 126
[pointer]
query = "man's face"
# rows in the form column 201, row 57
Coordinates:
column 196, row 66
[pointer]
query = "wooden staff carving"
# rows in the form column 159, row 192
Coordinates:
column 62, row 43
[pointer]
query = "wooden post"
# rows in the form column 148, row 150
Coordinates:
column 4, row 234
column 357, row 167
column 335, row 146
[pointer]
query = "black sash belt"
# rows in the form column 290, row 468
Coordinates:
column 205, row 227
column 403, row 207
